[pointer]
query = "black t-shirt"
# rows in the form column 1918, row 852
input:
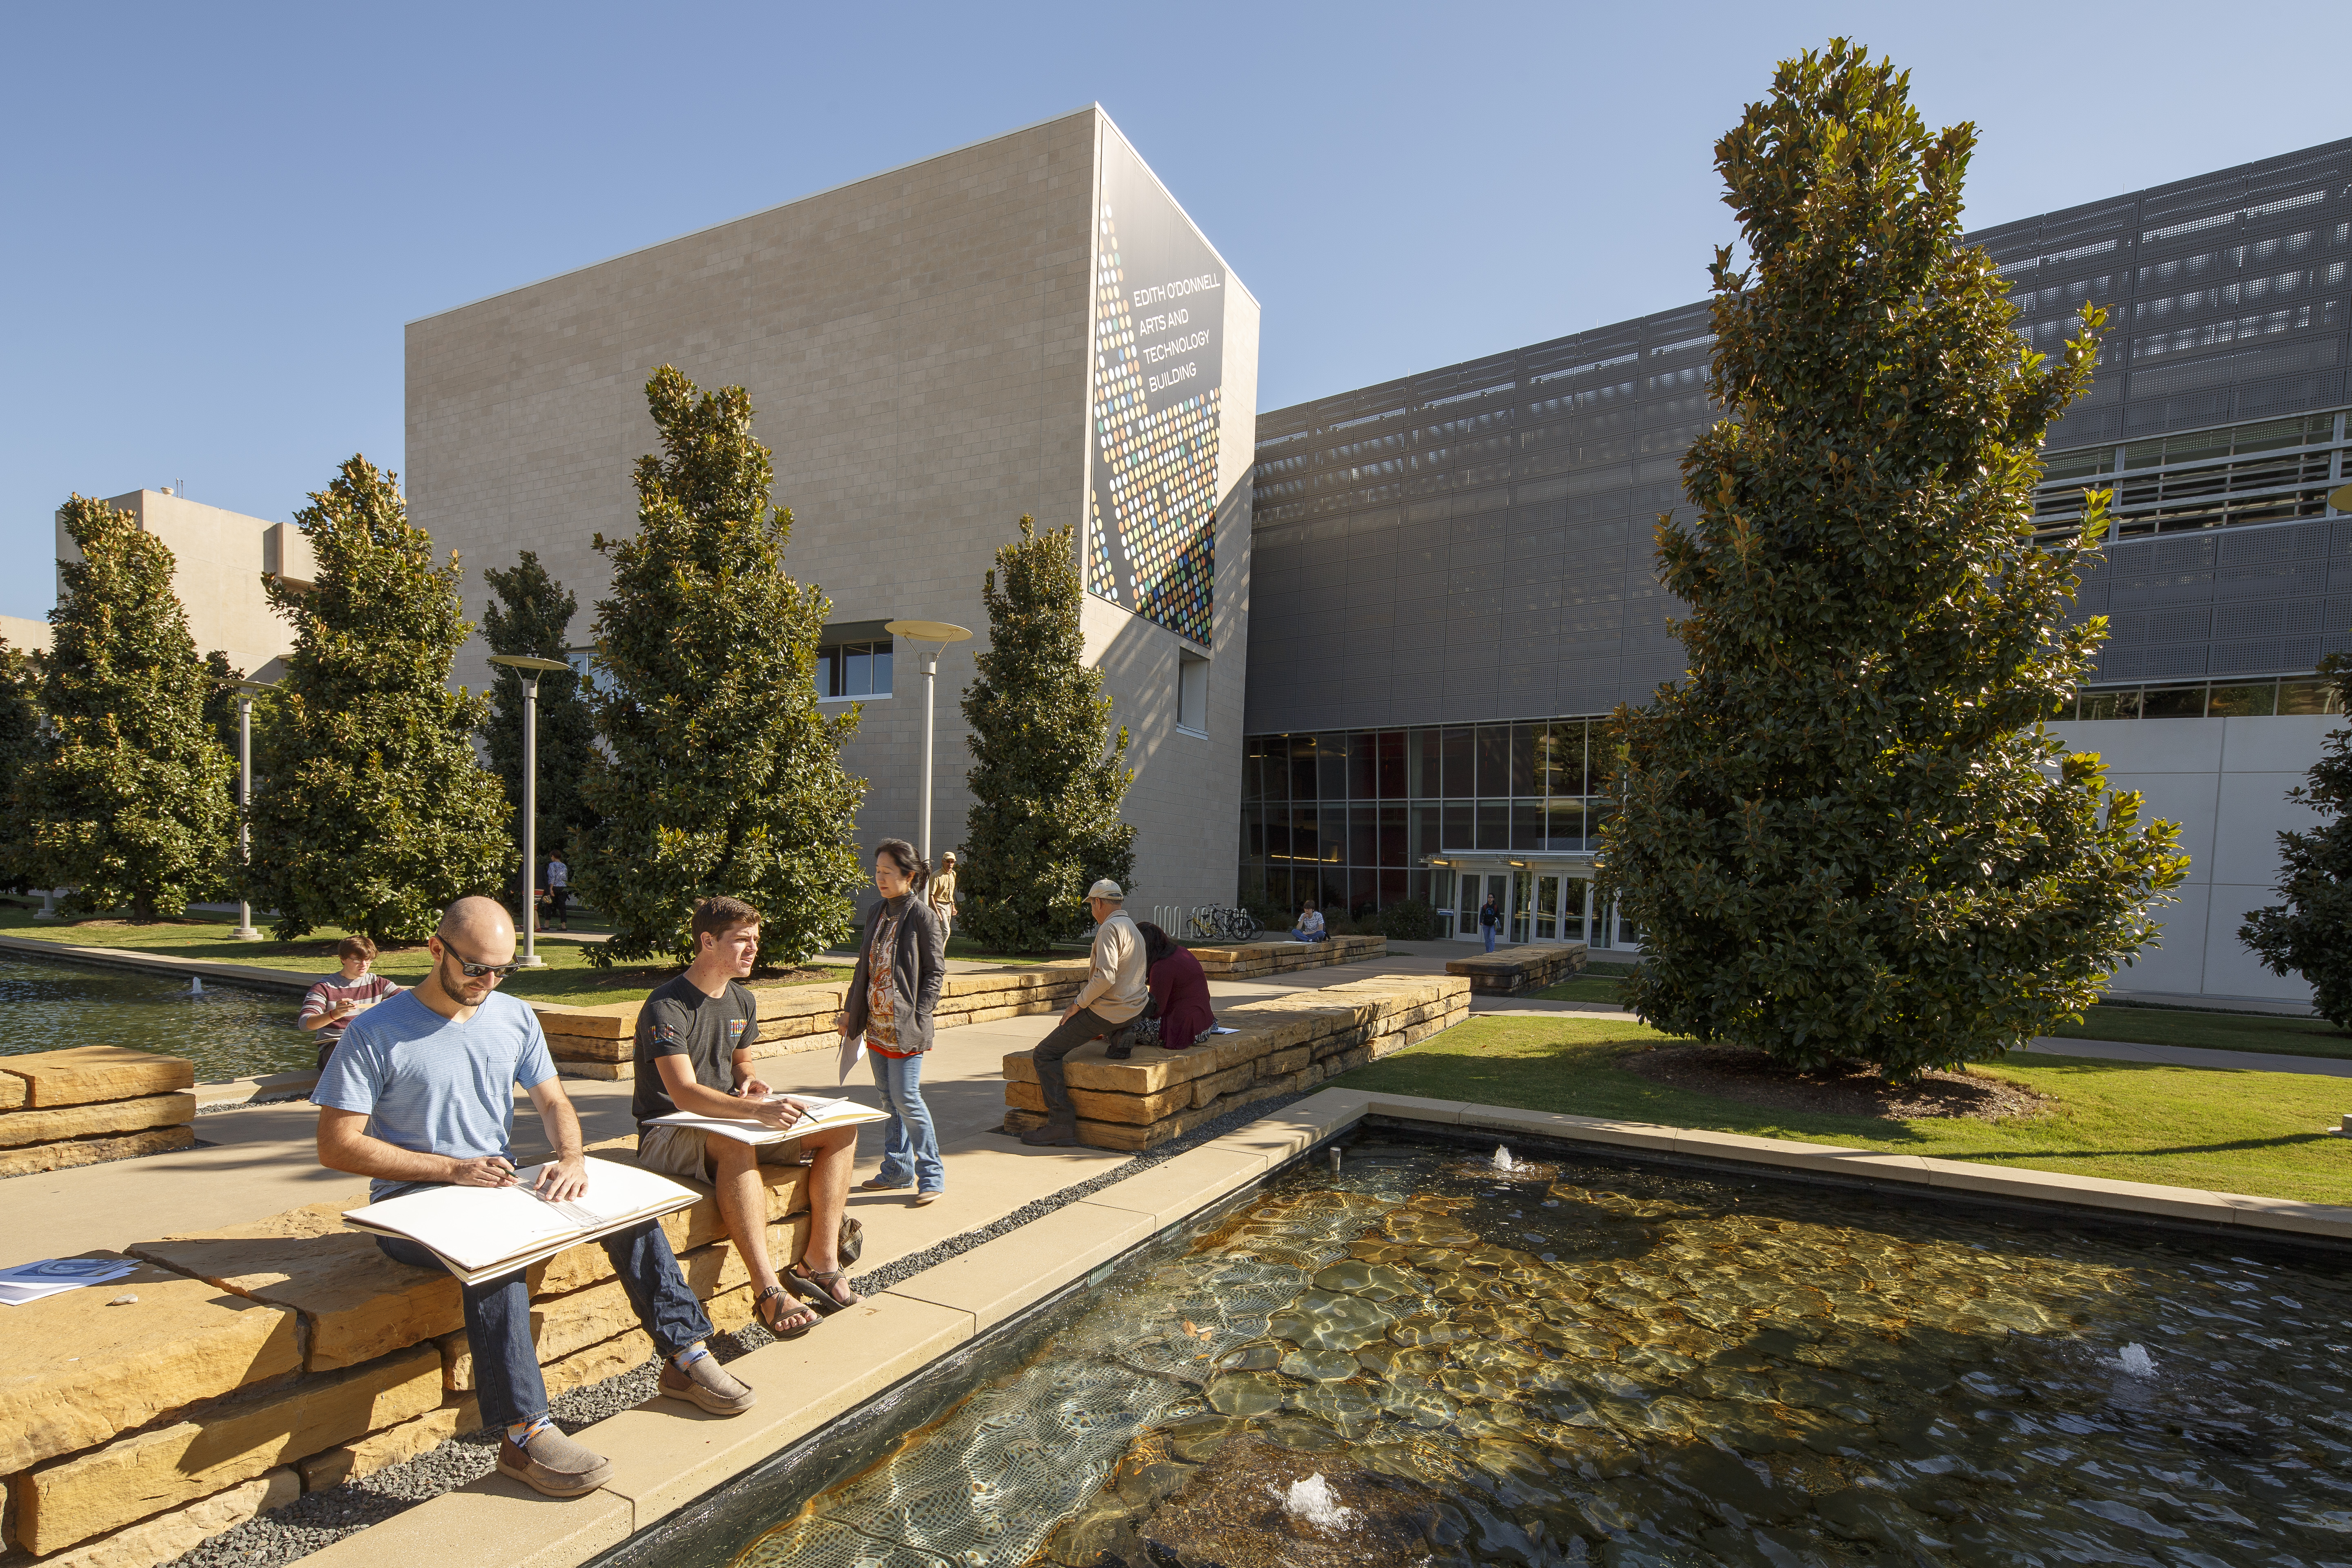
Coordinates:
column 679, row 1020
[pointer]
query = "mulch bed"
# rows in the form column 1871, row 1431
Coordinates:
column 1752, row 1078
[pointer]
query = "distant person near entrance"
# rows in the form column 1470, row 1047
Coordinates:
column 1490, row 920
column 1116, row 990
column 332, row 1004
column 559, row 891
column 1310, row 926
column 420, row 1095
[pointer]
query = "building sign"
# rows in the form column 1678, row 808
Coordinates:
column 1160, row 319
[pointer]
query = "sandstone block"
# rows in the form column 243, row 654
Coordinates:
column 1205, row 1089
column 68, row 1152
column 174, row 1534
column 588, row 1048
column 80, row 1074
column 98, row 1118
column 71, row 1376
column 13, row 1091
column 382, row 1450
column 220, row 1445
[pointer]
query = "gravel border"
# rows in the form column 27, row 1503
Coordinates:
column 319, row 1519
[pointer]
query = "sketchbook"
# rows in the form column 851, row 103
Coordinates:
column 822, row 1115
column 32, row 1281
column 485, row 1232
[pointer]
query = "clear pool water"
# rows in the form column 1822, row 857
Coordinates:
column 228, row 1032
column 1425, row 1358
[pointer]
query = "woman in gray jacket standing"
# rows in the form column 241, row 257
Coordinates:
column 892, row 996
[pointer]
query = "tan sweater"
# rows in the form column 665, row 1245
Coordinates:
column 1119, row 985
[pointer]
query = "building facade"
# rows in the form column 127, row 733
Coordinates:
column 1455, row 570
column 218, row 561
column 1030, row 325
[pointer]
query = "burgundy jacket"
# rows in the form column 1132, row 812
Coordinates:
column 1182, row 993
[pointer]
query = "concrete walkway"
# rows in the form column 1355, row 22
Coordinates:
column 2194, row 1057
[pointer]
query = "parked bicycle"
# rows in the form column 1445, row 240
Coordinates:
column 1218, row 923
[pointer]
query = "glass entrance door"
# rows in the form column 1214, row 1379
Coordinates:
column 1547, row 908
column 1478, row 884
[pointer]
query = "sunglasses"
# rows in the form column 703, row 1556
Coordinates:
column 472, row 971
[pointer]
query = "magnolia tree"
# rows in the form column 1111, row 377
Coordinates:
column 369, row 809
column 1047, row 774
column 721, row 774
column 126, row 800
column 2311, row 934
column 1846, row 835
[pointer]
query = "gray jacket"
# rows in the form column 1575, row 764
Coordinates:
column 918, row 969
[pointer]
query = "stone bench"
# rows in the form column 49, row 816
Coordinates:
column 265, row 1360
column 601, row 1042
column 1249, row 960
column 92, row 1103
column 1512, row 970
column 1283, row 1043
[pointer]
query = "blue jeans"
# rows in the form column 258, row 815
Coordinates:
column 1298, row 935
column 498, row 1315
column 1490, row 937
column 910, row 1144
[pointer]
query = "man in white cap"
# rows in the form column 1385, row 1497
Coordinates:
column 1112, row 997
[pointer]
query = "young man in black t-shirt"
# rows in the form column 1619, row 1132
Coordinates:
column 695, row 1034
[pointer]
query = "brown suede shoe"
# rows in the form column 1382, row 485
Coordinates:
column 554, row 1464
column 1059, row 1130
column 709, row 1385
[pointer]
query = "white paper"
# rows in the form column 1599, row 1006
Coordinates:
column 820, row 1115
column 479, row 1228
column 853, row 1051
column 1221, row 1029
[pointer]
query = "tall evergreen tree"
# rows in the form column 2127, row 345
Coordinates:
column 127, row 804
column 533, row 615
column 2311, row 934
column 1846, row 835
column 20, row 748
column 1046, row 773
column 369, row 810
column 723, row 775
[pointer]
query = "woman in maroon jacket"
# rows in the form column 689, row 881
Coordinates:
column 1180, row 992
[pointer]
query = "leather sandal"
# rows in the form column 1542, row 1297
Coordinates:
column 817, row 1290
column 780, row 1295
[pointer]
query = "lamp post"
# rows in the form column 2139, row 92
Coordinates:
column 938, row 634
column 247, row 690
column 531, row 669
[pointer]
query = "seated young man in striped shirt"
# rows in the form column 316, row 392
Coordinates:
column 333, row 1004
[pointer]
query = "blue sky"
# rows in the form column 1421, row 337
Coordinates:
column 220, row 216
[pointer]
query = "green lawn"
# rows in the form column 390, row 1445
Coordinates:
column 2229, row 1130
column 567, row 980
column 2139, row 1025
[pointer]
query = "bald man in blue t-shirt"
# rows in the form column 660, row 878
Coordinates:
column 420, row 1094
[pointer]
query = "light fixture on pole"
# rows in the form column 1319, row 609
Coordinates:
column 247, row 690
column 938, row 634
column 531, row 669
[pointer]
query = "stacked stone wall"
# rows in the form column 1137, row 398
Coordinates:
column 1281, row 1044
column 92, row 1103
column 257, row 1361
column 1519, row 969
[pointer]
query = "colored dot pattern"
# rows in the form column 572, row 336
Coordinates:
column 1154, row 505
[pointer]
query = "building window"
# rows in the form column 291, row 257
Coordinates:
column 854, row 670
column 1191, row 693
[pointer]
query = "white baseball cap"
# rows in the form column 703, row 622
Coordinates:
column 1107, row 889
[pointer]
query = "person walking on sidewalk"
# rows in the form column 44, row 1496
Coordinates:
column 559, row 890
column 693, row 1053
column 892, row 995
column 1117, row 988
column 1489, row 919
column 940, row 894
column 421, row 1095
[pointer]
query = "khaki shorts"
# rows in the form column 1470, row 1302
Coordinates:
column 683, row 1152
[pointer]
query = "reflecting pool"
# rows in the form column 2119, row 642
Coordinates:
column 1428, row 1357
column 228, row 1032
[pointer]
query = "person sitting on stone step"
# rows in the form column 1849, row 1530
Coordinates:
column 695, row 1036
column 420, row 1094
column 1117, row 988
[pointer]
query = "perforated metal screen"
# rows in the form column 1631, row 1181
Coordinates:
column 1474, row 542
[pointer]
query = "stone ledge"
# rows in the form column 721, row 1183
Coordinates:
column 1528, row 967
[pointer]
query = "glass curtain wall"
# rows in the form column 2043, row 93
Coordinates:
column 1347, row 817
